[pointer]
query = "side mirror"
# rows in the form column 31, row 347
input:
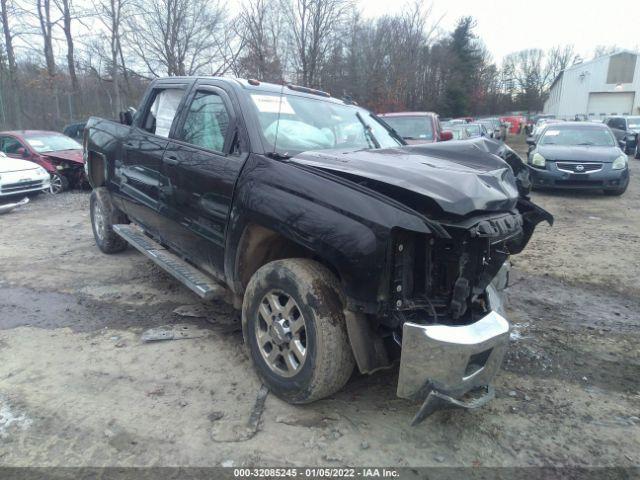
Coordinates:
column 623, row 144
column 23, row 152
column 446, row 135
column 531, row 141
column 126, row 117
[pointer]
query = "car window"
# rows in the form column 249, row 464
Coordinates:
column 600, row 137
column 163, row 110
column 292, row 124
column 10, row 145
column 51, row 142
column 411, row 127
column 617, row 123
column 206, row 122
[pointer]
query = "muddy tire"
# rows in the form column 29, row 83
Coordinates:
column 294, row 330
column 103, row 216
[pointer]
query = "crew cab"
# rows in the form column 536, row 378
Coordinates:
column 341, row 245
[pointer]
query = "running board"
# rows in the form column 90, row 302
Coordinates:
column 203, row 285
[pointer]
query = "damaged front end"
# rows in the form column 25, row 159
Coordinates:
column 439, row 299
column 448, row 313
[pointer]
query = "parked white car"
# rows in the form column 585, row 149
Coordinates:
column 18, row 177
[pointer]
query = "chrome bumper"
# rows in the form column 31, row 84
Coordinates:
column 440, row 363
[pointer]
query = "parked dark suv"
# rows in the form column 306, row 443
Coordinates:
column 341, row 245
column 627, row 130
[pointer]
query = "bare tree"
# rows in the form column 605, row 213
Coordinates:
column 180, row 37
column 313, row 23
column 46, row 29
column 112, row 14
column 66, row 10
column 7, row 12
column 261, row 32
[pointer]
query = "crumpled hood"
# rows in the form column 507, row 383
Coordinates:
column 579, row 153
column 8, row 164
column 460, row 176
column 69, row 155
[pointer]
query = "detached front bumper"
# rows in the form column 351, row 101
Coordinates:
column 439, row 364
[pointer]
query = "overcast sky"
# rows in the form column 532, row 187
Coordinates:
column 506, row 26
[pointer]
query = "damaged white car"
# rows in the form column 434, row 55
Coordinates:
column 19, row 177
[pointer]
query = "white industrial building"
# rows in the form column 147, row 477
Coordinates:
column 607, row 85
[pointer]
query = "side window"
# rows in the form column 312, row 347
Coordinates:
column 617, row 123
column 163, row 110
column 10, row 145
column 207, row 121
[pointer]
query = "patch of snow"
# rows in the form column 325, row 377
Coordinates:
column 9, row 417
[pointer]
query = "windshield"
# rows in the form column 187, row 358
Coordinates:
column 598, row 137
column 634, row 123
column 473, row 130
column 52, row 143
column 412, row 128
column 310, row 124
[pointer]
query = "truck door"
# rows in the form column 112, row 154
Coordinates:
column 140, row 172
column 202, row 163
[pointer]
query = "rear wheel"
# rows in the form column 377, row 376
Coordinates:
column 294, row 329
column 103, row 216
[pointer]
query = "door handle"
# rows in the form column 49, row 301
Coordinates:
column 171, row 160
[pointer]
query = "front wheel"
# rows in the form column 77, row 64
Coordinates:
column 295, row 332
column 637, row 155
column 58, row 183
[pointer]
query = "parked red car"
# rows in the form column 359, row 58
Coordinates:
column 516, row 123
column 417, row 127
column 58, row 154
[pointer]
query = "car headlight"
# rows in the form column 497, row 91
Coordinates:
column 538, row 160
column 42, row 171
column 619, row 163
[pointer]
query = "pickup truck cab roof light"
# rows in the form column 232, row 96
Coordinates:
column 312, row 91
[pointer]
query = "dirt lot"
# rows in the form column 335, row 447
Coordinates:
column 79, row 387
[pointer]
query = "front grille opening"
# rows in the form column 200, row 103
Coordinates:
column 477, row 361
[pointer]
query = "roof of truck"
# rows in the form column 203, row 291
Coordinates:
column 407, row 114
column 260, row 86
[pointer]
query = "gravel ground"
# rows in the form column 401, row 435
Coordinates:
column 78, row 387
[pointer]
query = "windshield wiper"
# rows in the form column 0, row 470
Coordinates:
column 367, row 130
column 586, row 143
column 278, row 156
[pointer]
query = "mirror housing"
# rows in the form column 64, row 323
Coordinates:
column 446, row 135
column 23, row 152
column 623, row 144
column 126, row 117
column 531, row 141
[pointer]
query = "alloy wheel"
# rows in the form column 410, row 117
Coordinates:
column 281, row 333
column 98, row 221
column 57, row 184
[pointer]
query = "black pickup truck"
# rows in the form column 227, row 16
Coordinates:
column 342, row 245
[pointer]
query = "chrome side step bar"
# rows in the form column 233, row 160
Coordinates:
column 203, row 285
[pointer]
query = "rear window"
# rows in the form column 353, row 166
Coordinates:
column 412, row 128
